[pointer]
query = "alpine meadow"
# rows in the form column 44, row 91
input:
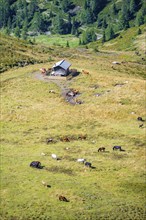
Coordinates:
column 73, row 114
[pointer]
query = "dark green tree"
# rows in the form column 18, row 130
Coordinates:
column 36, row 22
column 132, row 7
column 17, row 32
column 139, row 31
column 67, row 43
column 124, row 16
column 66, row 5
column 114, row 9
column 58, row 24
column 86, row 4
column 80, row 42
column 88, row 36
column 89, row 16
column 73, row 30
column 104, row 23
column 32, row 8
column 139, row 18
column 4, row 13
column 103, row 37
column 24, row 30
column 109, row 32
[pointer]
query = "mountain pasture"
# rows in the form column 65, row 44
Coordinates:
column 113, row 99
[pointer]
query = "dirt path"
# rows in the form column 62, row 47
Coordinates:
column 62, row 84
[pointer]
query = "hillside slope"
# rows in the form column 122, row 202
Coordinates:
column 112, row 100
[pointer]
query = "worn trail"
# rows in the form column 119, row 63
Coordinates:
column 62, row 84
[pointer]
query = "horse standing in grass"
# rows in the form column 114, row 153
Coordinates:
column 118, row 148
column 85, row 72
column 62, row 198
column 101, row 149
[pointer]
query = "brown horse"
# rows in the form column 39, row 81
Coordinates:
column 85, row 72
column 102, row 149
column 64, row 139
column 62, row 198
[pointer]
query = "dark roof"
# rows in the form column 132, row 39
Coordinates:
column 63, row 64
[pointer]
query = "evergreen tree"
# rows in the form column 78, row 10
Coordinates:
column 139, row 18
column 66, row 5
column 104, row 23
column 17, row 32
column 80, row 42
column 89, row 16
column 86, row 4
column 109, row 33
column 139, row 31
column 24, row 30
column 67, row 44
column 114, row 9
column 88, row 36
column 4, row 13
column 58, row 25
column 124, row 16
column 103, row 37
column 32, row 8
column 132, row 7
column 73, row 30
column 36, row 22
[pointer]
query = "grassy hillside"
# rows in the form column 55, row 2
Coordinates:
column 15, row 53
column 126, row 40
column 30, row 114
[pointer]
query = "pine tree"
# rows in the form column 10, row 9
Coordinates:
column 104, row 23
column 17, row 32
column 109, row 32
column 114, row 9
column 80, row 42
column 132, row 7
column 36, row 22
column 124, row 17
column 139, row 18
column 103, row 37
column 24, row 30
column 89, row 16
column 58, row 25
column 139, row 31
column 67, row 44
column 73, row 30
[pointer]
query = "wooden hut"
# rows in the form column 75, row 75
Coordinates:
column 61, row 68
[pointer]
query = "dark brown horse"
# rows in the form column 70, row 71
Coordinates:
column 65, row 139
column 62, row 198
column 102, row 149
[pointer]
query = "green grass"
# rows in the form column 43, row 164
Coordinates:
column 58, row 40
column 30, row 114
column 126, row 40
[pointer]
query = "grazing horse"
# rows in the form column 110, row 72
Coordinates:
column 87, row 164
column 82, row 137
column 49, row 140
column 81, row 160
column 65, row 139
column 141, row 126
column 62, row 198
column 140, row 119
column 36, row 164
column 117, row 148
column 43, row 71
column 101, row 149
column 85, row 72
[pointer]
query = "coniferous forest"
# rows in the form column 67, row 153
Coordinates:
column 23, row 18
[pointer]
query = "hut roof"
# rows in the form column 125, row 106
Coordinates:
column 63, row 64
